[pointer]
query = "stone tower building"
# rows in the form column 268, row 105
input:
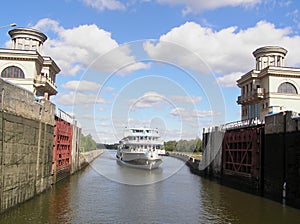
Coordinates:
column 25, row 66
column 270, row 87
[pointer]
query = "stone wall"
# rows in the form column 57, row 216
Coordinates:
column 86, row 158
column 211, row 163
column 275, row 168
column 75, row 148
column 26, row 158
column 282, row 158
column 26, row 140
column 19, row 101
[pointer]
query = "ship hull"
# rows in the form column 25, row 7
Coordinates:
column 150, row 166
column 140, row 148
column 140, row 160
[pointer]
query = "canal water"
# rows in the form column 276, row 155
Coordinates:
column 108, row 192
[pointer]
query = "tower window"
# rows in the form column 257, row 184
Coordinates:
column 13, row 72
column 287, row 87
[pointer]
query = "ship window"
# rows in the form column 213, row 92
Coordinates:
column 287, row 87
column 13, row 72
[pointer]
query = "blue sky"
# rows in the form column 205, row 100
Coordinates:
column 170, row 64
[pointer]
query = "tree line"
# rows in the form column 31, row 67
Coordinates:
column 194, row 145
column 107, row 146
column 87, row 143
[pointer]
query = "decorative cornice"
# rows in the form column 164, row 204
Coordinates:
column 270, row 71
column 248, row 76
column 269, row 50
column 280, row 72
column 20, row 55
column 27, row 32
column 51, row 63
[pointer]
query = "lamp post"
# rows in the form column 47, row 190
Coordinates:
column 8, row 25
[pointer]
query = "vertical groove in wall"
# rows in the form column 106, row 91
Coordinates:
column 1, row 161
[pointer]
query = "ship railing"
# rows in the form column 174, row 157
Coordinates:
column 146, row 142
column 234, row 125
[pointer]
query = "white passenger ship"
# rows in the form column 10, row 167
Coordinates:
column 141, row 148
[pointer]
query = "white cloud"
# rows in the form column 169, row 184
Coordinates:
column 226, row 52
column 106, row 136
column 133, row 67
column 284, row 3
column 195, row 6
column 86, row 46
column 101, row 5
column 190, row 6
column 76, row 98
column 156, row 100
column 101, row 109
column 134, row 122
column 148, row 100
column 81, row 85
column 47, row 25
column 230, row 79
column 187, row 99
column 91, row 117
column 109, row 88
column 187, row 114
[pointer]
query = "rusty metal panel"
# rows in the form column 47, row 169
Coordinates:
column 62, row 146
column 241, row 151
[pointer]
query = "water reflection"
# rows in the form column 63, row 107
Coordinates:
column 106, row 192
column 52, row 206
column 221, row 204
column 59, row 202
column 120, row 173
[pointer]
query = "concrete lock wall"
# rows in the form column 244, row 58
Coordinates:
column 270, row 154
column 282, row 158
column 26, row 140
column 75, row 148
column 21, row 102
column 211, row 163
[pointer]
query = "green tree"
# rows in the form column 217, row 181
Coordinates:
column 170, row 145
column 199, row 145
column 87, row 143
column 193, row 145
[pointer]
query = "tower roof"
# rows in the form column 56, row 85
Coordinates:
column 269, row 50
column 27, row 33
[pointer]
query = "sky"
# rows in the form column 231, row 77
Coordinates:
column 167, row 64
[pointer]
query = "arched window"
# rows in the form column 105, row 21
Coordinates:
column 13, row 72
column 287, row 87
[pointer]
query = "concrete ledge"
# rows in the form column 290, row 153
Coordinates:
column 85, row 158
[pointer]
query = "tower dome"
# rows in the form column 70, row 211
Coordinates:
column 269, row 56
column 27, row 39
